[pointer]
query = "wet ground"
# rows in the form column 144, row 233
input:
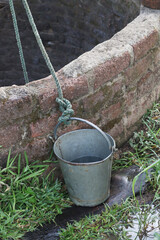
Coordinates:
column 140, row 231
column 121, row 188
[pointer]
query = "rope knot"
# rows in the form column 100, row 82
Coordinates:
column 66, row 108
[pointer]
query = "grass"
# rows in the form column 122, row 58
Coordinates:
column 99, row 226
column 114, row 222
column 27, row 198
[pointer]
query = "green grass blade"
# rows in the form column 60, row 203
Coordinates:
column 26, row 159
column 145, row 170
column 19, row 164
column 8, row 159
column 32, row 175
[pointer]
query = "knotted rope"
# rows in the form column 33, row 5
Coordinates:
column 66, row 109
column 64, row 104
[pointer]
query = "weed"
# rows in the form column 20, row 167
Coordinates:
column 27, row 198
column 100, row 226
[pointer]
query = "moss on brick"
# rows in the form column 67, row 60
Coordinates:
column 111, row 124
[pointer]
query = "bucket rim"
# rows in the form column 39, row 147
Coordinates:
column 85, row 164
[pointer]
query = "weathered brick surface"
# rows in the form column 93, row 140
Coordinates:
column 137, row 110
column 145, row 84
column 157, row 56
column 10, row 136
column 118, row 133
column 137, row 70
column 91, row 104
column 111, row 88
column 44, row 126
column 38, row 148
column 45, row 93
column 143, row 46
column 130, row 98
column 113, row 112
column 16, row 104
column 74, row 88
column 110, row 69
column 103, row 98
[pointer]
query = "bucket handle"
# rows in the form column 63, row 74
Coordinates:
column 89, row 123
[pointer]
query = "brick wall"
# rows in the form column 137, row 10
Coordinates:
column 112, row 86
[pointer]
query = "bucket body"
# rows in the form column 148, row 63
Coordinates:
column 86, row 162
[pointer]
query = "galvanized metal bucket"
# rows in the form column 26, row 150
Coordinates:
column 85, row 158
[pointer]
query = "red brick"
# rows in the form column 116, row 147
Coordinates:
column 105, row 96
column 88, row 106
column 44, row 126
column 145, row 84
column 47, row 100
column 157, row 56
column 110, row 69
column 117, row 86
column 138, row 110
column 74, row 88
column 112, row 112
column 135, row 72
column 143, row 46
column 130, row 98
column 39, row 149
column 93, row 102
column 117, row 131
column 10, row 135
column 45, row 92
column 117, row 91
column 132, row 116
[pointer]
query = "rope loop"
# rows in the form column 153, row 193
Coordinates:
column 66, row 108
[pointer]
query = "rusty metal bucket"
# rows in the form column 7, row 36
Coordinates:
column 85, row 158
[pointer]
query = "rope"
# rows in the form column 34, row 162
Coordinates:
column 64, row 104
column 18, row 41
column 66, row 109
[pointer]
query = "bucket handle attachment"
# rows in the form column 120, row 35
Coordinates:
column 89, row 123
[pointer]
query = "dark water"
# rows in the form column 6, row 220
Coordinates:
column 87, row 159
